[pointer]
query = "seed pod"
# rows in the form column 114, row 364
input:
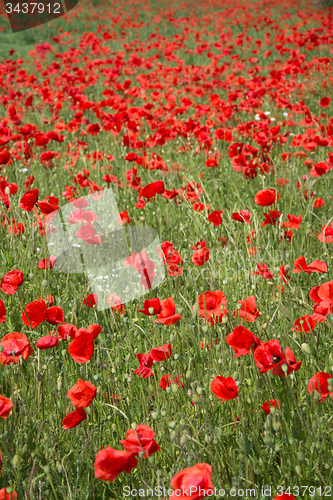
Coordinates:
column 173, row 435
column 59, row 383
column 300, row 457
column 151, row 310
column 306, row 348
column 183, row 439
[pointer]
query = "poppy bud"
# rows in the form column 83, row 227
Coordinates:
column 172, row 337
column 284, row 367
column 44, row 283
column 199, row 390
column 155, row 415
column 151, row 310
column 172, row 424
column 195, row 308
column 183, row 440
column 189, row 374
column 306, row 348
column 16, row 460
column 25, row 449
column 46, row 469
column 204, row 328
column 59, row 466
column 224, row 319
column 7, row 190
column 173, row 436
column 287, row 267
column 151, row 388
column 298, row 469
column 300, row 457
column 316, row 396
column 59, row 383
column 151, row 460
column 134, row 426
column 174, row 388
column 208, row 438
column 163, row 413
column 196, row 399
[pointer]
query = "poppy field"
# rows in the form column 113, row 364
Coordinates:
column 212, row 124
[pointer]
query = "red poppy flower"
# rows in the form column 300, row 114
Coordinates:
column 74, row 418
column 49, row 205
column 140, row 439
column 115, row 303
column 47, row 342
column 319, row 169
column 82, row 347
column 123, row 218
column 215, row 217
column 201, row 254
column 34, row 313
column 319, row 383
column 86, row 232
column 263, row 271
column 242, row 216
column 152, row 189
column 269, row 356
column 284, row 496
column 293, row 221
column 212, row 305
column 325, row 102
column 144, row 372
column 6, row 406
column 242, row 341
column 319, row 202
column 151, row 307
column 224, row 388
column 28, row 200
column 67, row 330
column 305, row 324
column 11, row 281
column 91, row 300
column 95, row 330
column 283, row 275
column 161, row 353
column 193, row 483
column 248, row 311
column 272, row 402
column 271, row 218
column 145, row 359
column 326, row 235
column 82, row 394
column 14, row 344
column 47, row 263
column 168, row 315
column 109, row 463
column 3, row 312
column 172, row 259
column 266, row 197
column 167, row 380
column 7, row 496
column 317, row 266
column 54, row 315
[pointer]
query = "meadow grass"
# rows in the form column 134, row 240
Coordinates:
column 291, row 447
